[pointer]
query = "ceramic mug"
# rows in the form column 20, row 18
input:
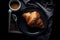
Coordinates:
column 14, row 5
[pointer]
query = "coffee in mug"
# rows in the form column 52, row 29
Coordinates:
column 15, row 5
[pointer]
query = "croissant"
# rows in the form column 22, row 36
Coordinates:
column 33, row 18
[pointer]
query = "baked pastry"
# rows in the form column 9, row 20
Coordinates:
column 33, row 18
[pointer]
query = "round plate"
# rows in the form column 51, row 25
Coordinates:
column 24, row 27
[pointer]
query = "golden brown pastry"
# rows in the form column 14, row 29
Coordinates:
column 33, row 18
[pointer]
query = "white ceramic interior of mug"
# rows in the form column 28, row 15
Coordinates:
column 16, row 8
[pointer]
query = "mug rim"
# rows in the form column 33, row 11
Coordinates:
column 17, row 8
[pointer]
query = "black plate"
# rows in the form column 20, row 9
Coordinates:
column 24, row 27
